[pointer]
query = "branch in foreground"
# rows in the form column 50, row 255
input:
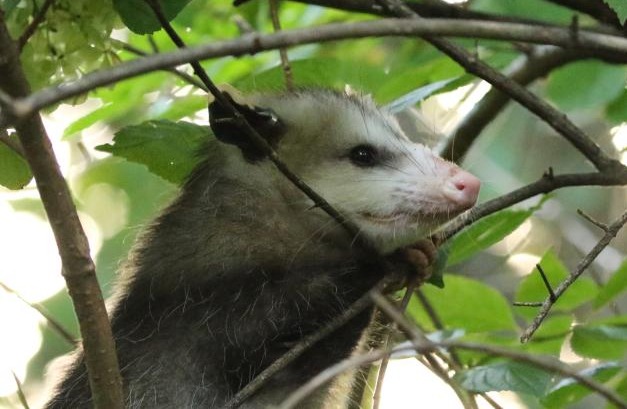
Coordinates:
column 78, row 267
column 254, row 43
column 594, row 8
column 610, row 233
column 547, row 183
column 526, row 98
column 54, row 324
column 524, row 70
column 32, row 27
column 422, row 344
column 358, row 306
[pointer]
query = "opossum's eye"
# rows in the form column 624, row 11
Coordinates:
column 363, row 155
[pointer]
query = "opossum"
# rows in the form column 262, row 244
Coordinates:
column 242, row 264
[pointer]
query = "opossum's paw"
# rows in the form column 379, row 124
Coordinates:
column 413, row 264
column 421, row 256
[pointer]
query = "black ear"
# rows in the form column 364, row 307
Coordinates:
column 227, row 130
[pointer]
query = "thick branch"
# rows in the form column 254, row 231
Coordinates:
column 78, row 268
column 32, row 27
column 254, row 43
column 524, row 71
column 594, row 8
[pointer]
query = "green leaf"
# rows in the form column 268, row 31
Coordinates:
column 600, row 341
column 614, row 286
column 617, row 109
column 620, row 7
column 326, row 72
column 505, row 376
column 586, row 84
column 532, row 288
column 139, row 17
column 534, row 9
column 14, row 170
column 476, row 307
column 413, row 97
column 484, row 233
column 167, row 148
column 568, row 390
column 8, row 6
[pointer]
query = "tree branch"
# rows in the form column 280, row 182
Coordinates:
column 538, row 106
column 596, row 9
column 300, row 348
column 13, row 144
column 54, row 324
column 547, row 183
column 524, row 70
column 611, row 232
column 184, row 76
column 422, row 344
column 78, row 268
column 254, row 43
column 285, row 62
column 32, row 27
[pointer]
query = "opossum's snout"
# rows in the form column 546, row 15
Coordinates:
column 461, row 189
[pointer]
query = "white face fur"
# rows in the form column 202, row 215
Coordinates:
column 356, row 157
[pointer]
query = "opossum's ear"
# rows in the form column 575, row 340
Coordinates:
column 225, row 127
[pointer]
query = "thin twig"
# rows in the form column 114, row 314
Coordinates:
column 376, row 397
column 184, row 76
column 433, row 364
column 547, row 285
column 422, row 344
column 527, row 304
column 285, row 62
column 13, row 144
column 254, row 43
column 589, row 218
column 65, row 334
column 20, row 391
column 437, row 322
column 611, row 232
column 32, row 27
column 358, row 306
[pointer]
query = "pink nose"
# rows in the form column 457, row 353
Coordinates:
column 462, row 189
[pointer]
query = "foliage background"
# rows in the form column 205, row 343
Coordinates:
column 117, row 196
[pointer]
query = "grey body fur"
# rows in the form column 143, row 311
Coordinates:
column 241, row 265
column 236, row 270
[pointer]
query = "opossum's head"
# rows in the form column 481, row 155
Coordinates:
column 355, row 155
